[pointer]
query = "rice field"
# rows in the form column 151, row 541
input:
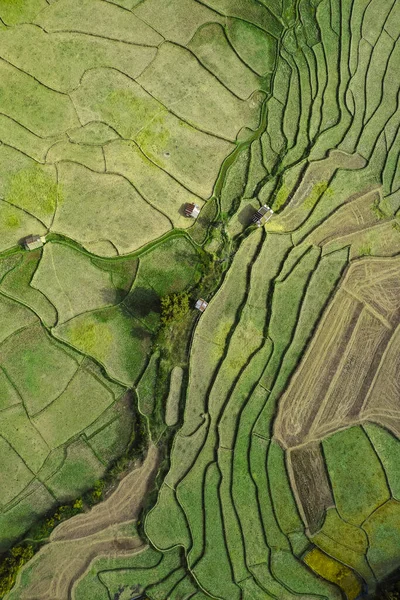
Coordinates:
column 272, row 420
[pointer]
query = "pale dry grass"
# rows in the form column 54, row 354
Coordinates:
column 74, row 544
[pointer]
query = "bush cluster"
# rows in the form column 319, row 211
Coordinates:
column 174, row 307
column 11, row 564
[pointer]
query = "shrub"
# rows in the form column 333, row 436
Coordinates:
column 174, row 308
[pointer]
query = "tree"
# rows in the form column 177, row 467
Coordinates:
column 174, row 307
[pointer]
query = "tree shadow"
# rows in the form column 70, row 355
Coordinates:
column 245, row 215
column 141, row 301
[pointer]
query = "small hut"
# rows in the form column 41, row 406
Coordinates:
column 192, row 210
column 32, row 242
column 262, row 216
column 201, row 305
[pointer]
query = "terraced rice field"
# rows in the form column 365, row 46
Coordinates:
column 280, row 417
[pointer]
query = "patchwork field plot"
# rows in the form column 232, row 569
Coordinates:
column 278, row 407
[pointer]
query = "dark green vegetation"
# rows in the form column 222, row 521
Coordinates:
column 279, row 478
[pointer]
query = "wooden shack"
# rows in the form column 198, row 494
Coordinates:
column 32, row 242
column 201, row 305
column 192, row 210
column 262, row 216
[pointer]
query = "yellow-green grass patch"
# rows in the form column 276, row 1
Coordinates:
column 58, row 60
column 72, row 282
column 208, row 105
column 43, row 111
column 345, row 542
column 113, row 337
column 87, row 156
column 189, row 155
column 213, row 570
column 147, row 386
column 37, row 366
column 212, row 48
column 18, row 430
column 383, row 530
column 176, row 20
column 294, row 575
column 14, row 474
column 13, row 316
column 160, row 189
column 174, row 397
column 17, row 520
column 357, row 478
column 98, row 18
column 79, row 472
column 255, row 47
column 336, row 572
column 388, row 449
column 20, row 11
column 97, row 207
column 17, row 285
column 83, row 400
column 166, row 525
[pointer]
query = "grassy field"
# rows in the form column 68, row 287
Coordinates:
column 272, row 420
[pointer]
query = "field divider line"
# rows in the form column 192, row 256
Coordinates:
column 55, row 32
column 23, row 209
column 369, row 307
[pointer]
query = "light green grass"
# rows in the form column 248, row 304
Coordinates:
column 98, row 18
column 72, row 282
column 83, row 400
column 60, row 60
column 356, row 475
column 113, row 337
column 387, row 448
column 254, row 47
column 31, row 359
column 43, row 111
column 14, row 475
column 282, row 495
column 213, row 571
column 174, row 397
column 80, row 470
column 101, row 206
column 214, row 51
column 17, row 285
column 147, row 386
column 163, row 532
column 383, row 534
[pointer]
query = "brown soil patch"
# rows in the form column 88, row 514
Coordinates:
column 53, row 572
column 310, row 484
column 345, row 358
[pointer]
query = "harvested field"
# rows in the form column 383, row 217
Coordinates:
column 361, row 316
column 77, row 542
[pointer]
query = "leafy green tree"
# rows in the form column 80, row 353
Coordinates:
column 174, row 307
